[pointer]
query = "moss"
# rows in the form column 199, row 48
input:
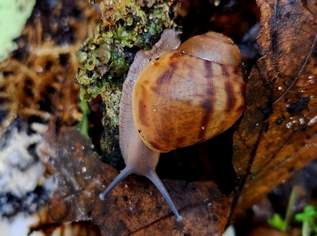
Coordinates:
column 125, row 27
column 109, row 142
column 111, row 97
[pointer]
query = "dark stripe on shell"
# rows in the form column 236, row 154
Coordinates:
column 167, row 75
column 231, row 99
column 208, row 73
column 207, row 104
column 237, row 71
column 224, row 70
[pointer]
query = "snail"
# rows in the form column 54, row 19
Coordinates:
column 186, row 94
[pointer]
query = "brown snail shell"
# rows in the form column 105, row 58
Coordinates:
column 189, row 95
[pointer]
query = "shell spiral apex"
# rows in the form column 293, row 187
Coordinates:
column 214, row 47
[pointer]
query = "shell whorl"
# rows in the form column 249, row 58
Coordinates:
column 190, row 94
column 214, row 47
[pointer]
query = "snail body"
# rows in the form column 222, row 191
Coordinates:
column 187, row 95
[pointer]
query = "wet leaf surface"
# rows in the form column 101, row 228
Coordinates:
column 135, row 206
column 277, row 134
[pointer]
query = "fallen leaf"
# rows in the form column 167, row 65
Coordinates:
column 134, row 207
column 278, row 132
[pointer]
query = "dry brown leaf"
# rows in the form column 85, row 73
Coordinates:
column 277, row 134
column 135, row 206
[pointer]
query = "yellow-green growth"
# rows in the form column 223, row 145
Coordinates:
column 126, row 26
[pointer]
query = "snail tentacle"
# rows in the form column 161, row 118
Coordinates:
column 123, row 174
column 151, row 175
